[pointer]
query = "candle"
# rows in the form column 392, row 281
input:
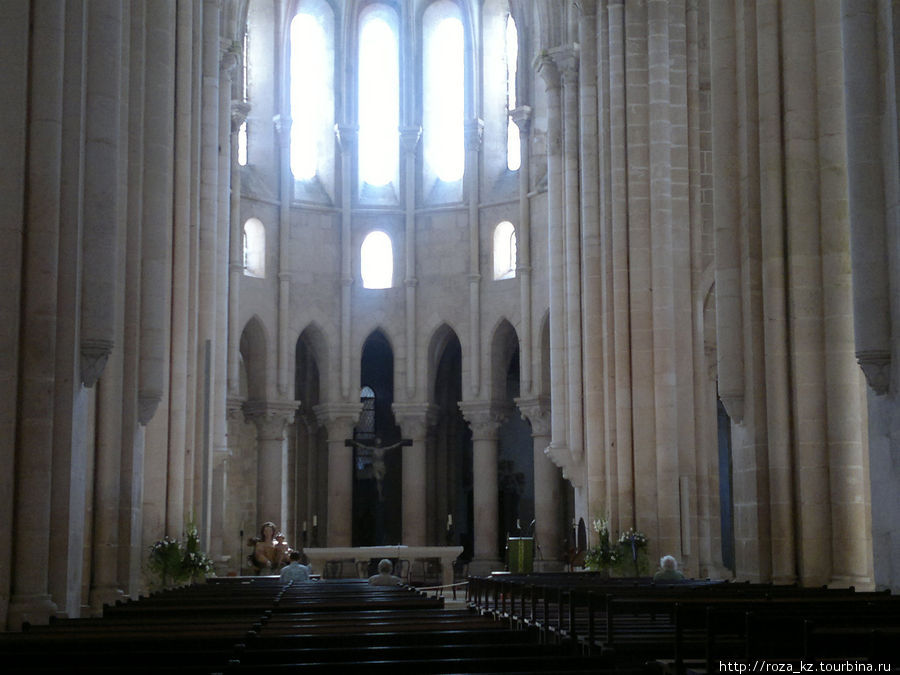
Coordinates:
column 315, row 520
column 304, row 526
column 518, row 524
column 449, row 520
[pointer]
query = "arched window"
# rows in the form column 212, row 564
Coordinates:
column 443, row 72
column 513, row 143
column 379, row 95
column 254, row 248
column 504, row 251
column 377, row 260
column 312, row 83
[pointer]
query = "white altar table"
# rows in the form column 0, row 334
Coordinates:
column 447, row 554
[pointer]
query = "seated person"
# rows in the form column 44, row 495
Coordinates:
column 295, row 571
column 384, row 576
column 668, row 570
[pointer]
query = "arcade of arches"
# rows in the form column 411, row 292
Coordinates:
column 435, row 272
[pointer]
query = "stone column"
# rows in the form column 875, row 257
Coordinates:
column 522, row 117
column 409, row 139
column 347, row 139
column 547, row 487
column 101, row 167
column 271, row 418
column 591, row 271
column 30, row 599
column 474, row 132
column 283, row 126
column 556, row 252
column 339, row 420
column 14, row 54
column 484, row 420
column 239, row 112
column 726, row 210
column 181, row 263
column 414, row 420
column 567, row 61
column 866, row 104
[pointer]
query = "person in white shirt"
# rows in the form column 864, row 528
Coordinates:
column 295, row 571
column 384, row 576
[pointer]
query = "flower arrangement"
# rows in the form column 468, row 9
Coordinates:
column 174, row 563
column 625, row 556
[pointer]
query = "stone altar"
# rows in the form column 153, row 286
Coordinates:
column 447, row 554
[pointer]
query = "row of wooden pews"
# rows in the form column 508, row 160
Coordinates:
column 697, row 625
column 254, row 624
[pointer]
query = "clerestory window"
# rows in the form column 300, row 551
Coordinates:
column 377, row 260
column 504, row 251
column 312, row 89
column 254, row 248
column 443, row 71
column 513, row 142
column 379, row 95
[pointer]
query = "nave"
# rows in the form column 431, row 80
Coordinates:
column 536, row 623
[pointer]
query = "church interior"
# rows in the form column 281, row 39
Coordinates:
column 442, row 272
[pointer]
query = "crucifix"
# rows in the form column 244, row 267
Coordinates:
column 372, row 463
column 378, row 452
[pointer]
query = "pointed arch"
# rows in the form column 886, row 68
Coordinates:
column 443, row 337
column 254, row 350
column 504, row 349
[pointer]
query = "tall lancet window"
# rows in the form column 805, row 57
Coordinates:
column 504, row 251
column 377, row 260
column 312, row 84
column 379, row 96
column 513, row 143
column 443, row 75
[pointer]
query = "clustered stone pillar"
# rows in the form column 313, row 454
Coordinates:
column 547, row 487
column 414, row 420
column 484, row 420
column 556, row 252
column 271, row 419
column 339, row 420
column 30, row 599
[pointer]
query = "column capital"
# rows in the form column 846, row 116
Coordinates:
column 484, row 418
column 346, row 136
column 474, row 131
column 567, row 62
column 94, row 354
column 231, row 56
column 338, row 418
column 270, row 417
column 147, row 404
column 586, row 7
column 415, row 418
column 536, row 410
column 239, row 112
column 876, row 366
column 234, row 407
column 409, row 138
column 546, row 68
column 283, row 128
column 521, row 115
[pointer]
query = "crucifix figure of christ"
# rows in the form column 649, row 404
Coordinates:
column 378, row 454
